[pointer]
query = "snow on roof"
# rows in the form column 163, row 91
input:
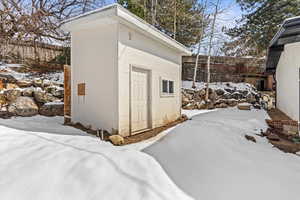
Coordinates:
column 123, row 14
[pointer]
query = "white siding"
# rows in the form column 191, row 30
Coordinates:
column 163, row 62
column 287, row 75
column 94, row 62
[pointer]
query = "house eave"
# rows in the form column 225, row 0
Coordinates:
column 116, row 13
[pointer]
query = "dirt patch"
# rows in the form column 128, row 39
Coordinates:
column 277, row 114
column 134, row 138
column 152, row 133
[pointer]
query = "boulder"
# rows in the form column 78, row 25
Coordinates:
column 220, row 92
column 185, row 101
column 43, row 97
column 7, row 78
column 116, row 140
column 52, row 109
column 222, row 105
column 227, row 95
column 24, row 83
column 3, row 100
column 244, row 106
column 237, row 95
column 28, row 92
column 250, row 138
column 229, row 90
column 37, row 82
column 201, row 105
column 232, row 102
column 56, row 91
column 251, row 98
column 12, row 95
column 23, row 106
column 190, row 106
column 11, row 86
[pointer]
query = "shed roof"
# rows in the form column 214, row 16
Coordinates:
column 289, row 32
column 116, row 11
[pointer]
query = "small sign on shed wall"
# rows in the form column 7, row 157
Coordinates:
column 81, row 89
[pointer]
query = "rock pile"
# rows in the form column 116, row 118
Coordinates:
column 221, row 97
column 30, row 97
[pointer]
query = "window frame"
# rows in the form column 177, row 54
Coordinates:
column 167, row 94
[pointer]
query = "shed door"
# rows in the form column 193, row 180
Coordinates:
column 139, row 100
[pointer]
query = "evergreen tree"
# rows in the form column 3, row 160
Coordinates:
column 257, row 27
column 180, row 19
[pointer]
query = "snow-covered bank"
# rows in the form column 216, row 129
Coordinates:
column 209, row 158
column 191, row 113
column 41, row 159
column 219, row 85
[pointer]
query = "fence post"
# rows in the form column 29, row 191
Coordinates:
column 67, row 93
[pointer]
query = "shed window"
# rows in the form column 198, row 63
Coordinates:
column 167, row 87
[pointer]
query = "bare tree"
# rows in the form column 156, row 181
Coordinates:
column 210, row 47
column 199, row 44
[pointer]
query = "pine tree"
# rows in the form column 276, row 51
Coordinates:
column 180, row 19
column 257, row 27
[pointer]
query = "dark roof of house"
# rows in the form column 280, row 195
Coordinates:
column 289, row 32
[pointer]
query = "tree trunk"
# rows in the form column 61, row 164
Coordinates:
column 209, row 50
column 199, row 46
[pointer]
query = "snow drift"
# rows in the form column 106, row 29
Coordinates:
column 58, row 162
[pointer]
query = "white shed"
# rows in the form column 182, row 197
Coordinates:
column 125, row 74
column 284, row 61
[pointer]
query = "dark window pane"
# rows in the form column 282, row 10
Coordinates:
column 164, row 86
column 171, row 87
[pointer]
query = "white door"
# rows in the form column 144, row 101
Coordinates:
column 139, row 100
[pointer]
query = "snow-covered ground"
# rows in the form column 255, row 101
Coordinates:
column 209, row 158
column 42, row 159
column 10, row 69
column 219, row 85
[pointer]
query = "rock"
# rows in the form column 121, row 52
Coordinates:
column 222, row 105
column 243, row 92
column 227, row 95
column 55, row 91
column 23, row 106
column 37, row 82
column 229, row 90
column 257, row 106
column 210, row 105
column 220, row 92
column 12, row 95
column 212, row 95
column 46, row 83
column 237, row 95
column 185, row 101
column 251, row 98
column 24, row 83
column 116, row 140
column 190, row 106
column 11, row 86
column 7, row 78
column 200, row 105
column 244, row 106
column 232, row 102
column 28, row 92
column 250, row 138
column 3, row 100
column 52, row 109
column 43, row 97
